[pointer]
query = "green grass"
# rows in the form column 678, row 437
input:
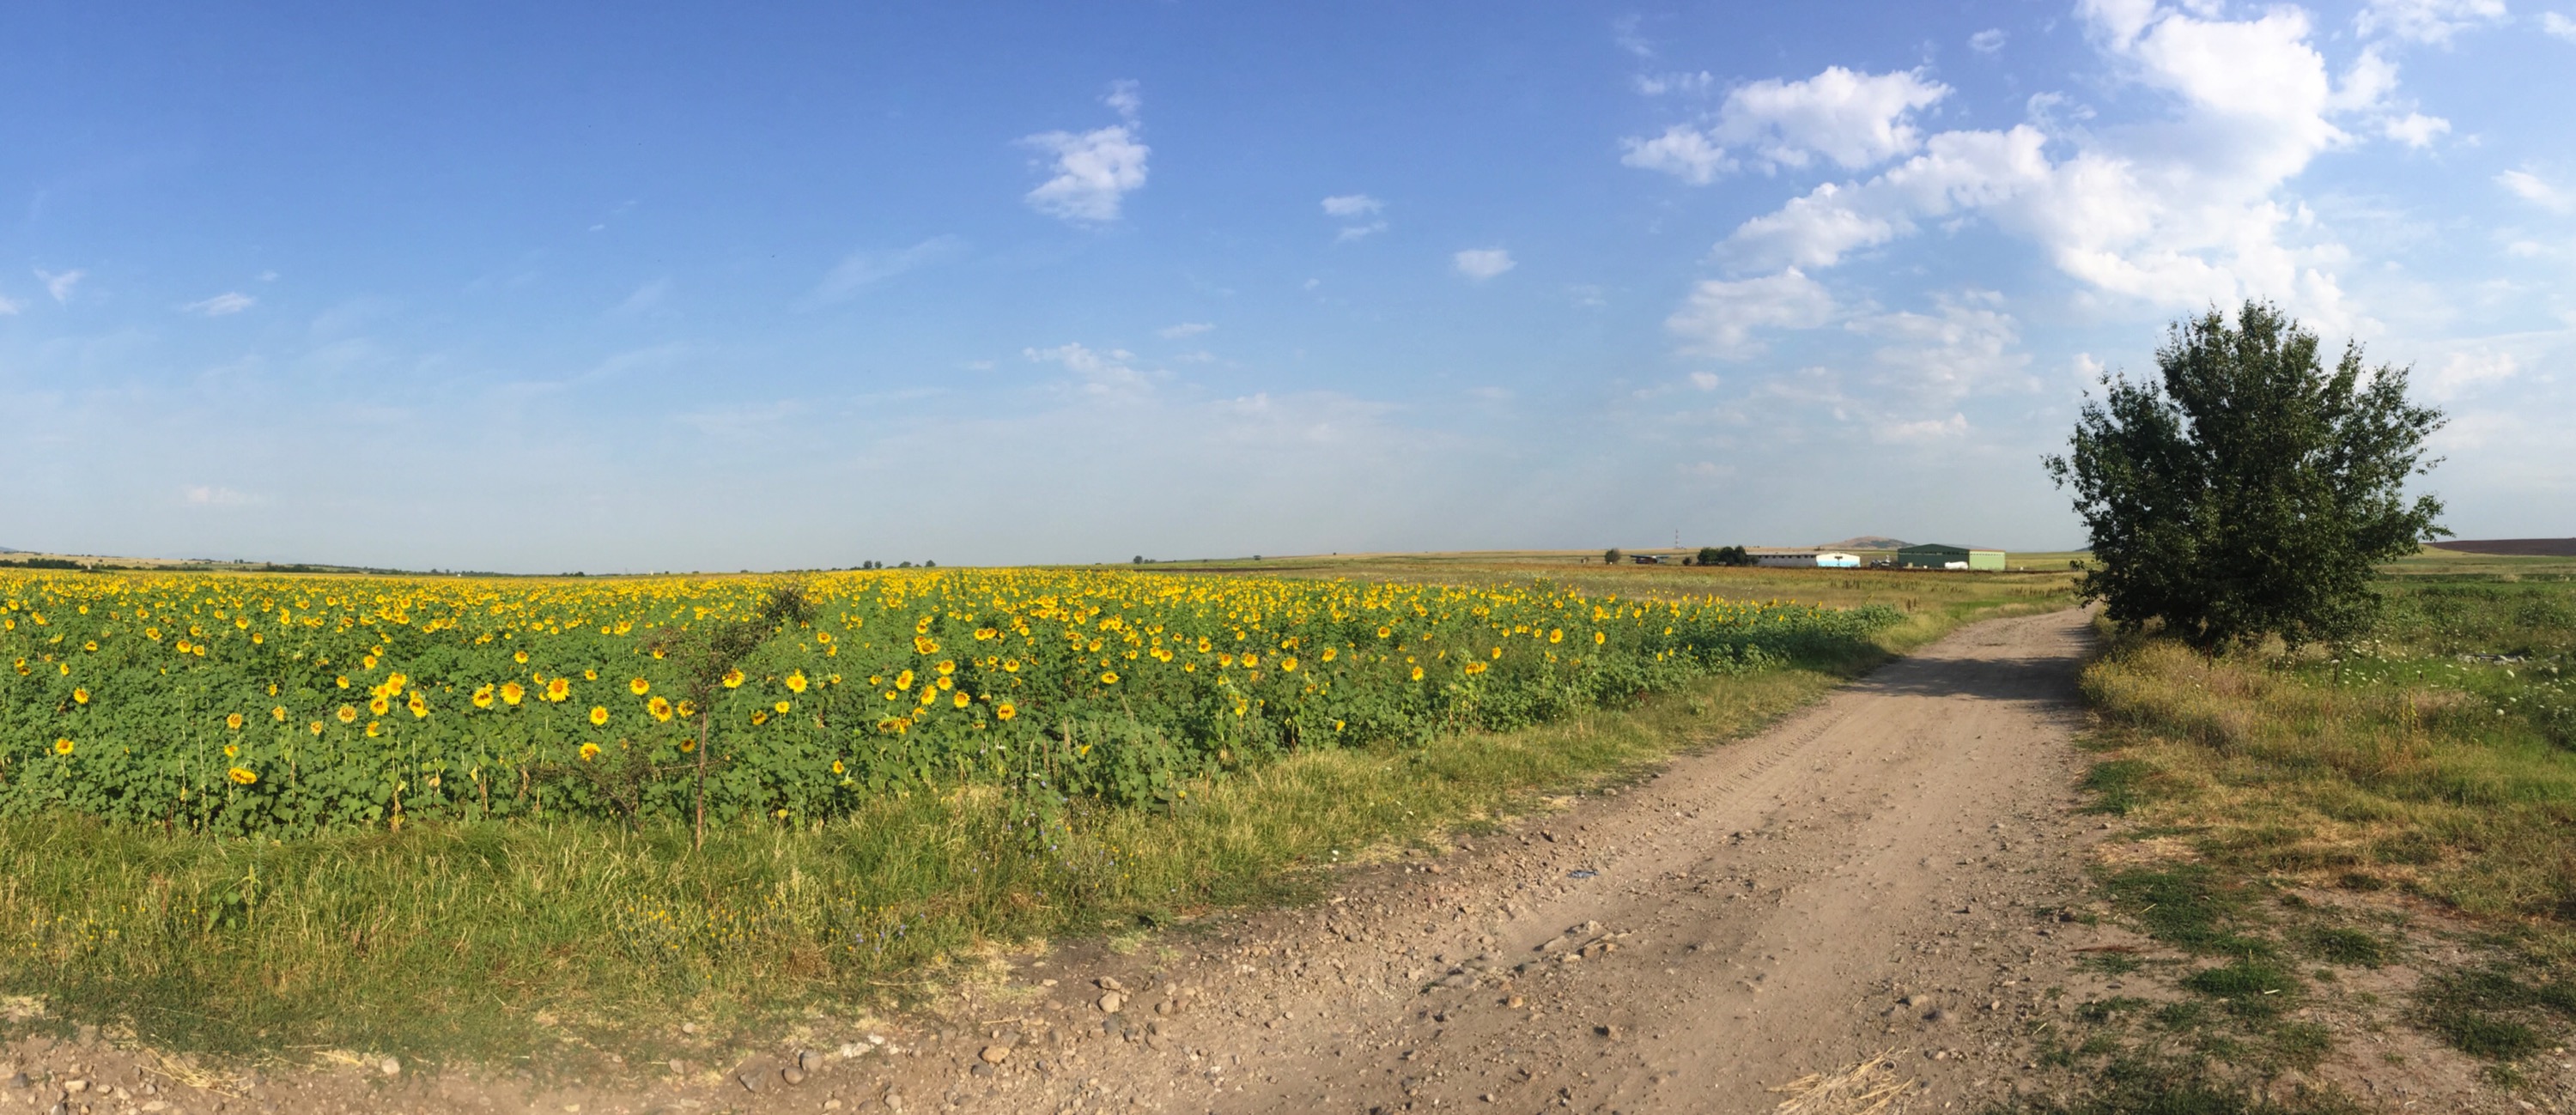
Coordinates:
column 557, row 942
column 2434, row 757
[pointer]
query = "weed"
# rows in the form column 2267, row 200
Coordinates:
column 2352, row 948
column 2250, row 988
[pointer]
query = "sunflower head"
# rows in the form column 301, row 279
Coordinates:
column 242, row 776
column 233, row 721
column 1005, row 711
column 733, row 679
column 639, row 686
column 598, row 715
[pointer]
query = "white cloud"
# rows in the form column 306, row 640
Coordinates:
column 2180, row 212
column 1851, row 119
column 207, row 495
column 1623, row 31
column 1967, row 347
column 1656, row 85
column 2558, row 25
column 1721, row 315
column 1987, row 41
column 1348, row 206
column 1922, row 432
column 1101, row 373
column 1481, row 264
column 2415, row 129
column 229, row 302
column 9, row 307
column 2536, row 190
column 1682, row 151
column 1705, row 381
column 60, row 285
column 2426, row 21
column 1124, row 98
column 1093, row 170
column 1185, row 329
column 2465, row 371
column 861, row 270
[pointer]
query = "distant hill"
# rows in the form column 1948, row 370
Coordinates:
column 2517, row 547
column 1866, row 542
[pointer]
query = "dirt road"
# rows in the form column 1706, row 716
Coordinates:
column 1873, row 876
column 1876, row 875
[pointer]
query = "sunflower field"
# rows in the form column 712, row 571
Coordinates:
column 241, row 704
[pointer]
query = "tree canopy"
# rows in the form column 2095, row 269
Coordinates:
column 2246, row 490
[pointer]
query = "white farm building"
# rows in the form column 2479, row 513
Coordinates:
column 1808, row 559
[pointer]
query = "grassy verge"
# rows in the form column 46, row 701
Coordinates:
column 2276, row 802
column 560, row 942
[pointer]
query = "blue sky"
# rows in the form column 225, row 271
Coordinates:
column 534, row 289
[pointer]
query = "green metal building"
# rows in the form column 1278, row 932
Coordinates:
column 1933, row 555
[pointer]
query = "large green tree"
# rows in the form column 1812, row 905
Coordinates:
column 2247, row 490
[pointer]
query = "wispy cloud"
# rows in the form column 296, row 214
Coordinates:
column 60, row 284
column 1095, row 170
column 2426, row 21
column 1352, row 205
column 2558, row 25
column 1102, row 372
column 1987, row 41
column 1184, row 329
column 9, row 306
column 1357, row 209
column 861, row 270
column 212, row 495
column 229, row 302
column 1481, row 264
column 2536, row 190
column 648, row 297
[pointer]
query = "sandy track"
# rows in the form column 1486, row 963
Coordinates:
column 1753, row 915
column 1874, row 875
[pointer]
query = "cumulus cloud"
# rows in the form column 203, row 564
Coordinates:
column 2426, row 21
column 1848, row 118
column 60, row 285
column 2415, row 129
column 1721, row 315
column 1481, row 264
column 1987, row 41
column 1095, row 170
column 2182, row 212
column 861, row 270
column 229, row 302
column 2558, row 25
